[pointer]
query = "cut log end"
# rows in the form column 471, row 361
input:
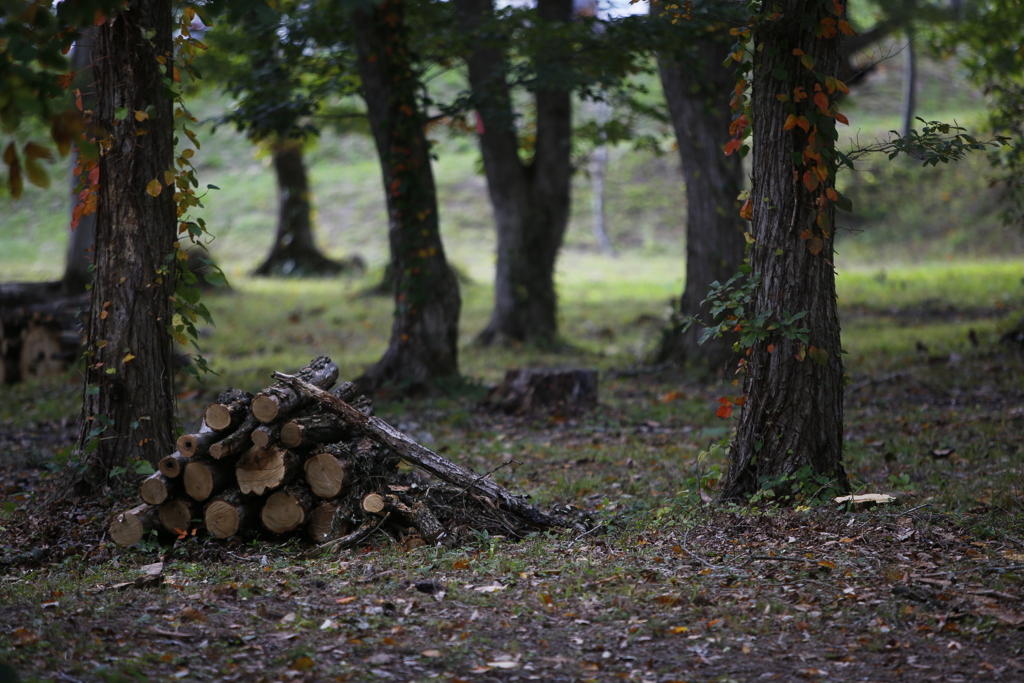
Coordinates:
column 282, row 513
column 325, row 475
column 325, row 523
column 129, row 527
column 187, row 445
column 374, row 503
column 173, row 466
column 265, row 408
column 218, row 417
column 222, row 519
column 176, row 516
column 156, row 489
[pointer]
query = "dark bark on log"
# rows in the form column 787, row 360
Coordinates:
column 197, row 445
column 237, row 442
column 265, row 436
column 423, row 348
column 157, row 488
column 203, row 478
column 260, row 470
column 321, row 428
column 305, row 432
column 225, row 415
column 279, row 400
column 130, row 526
column 173, row 465
column 427, row 460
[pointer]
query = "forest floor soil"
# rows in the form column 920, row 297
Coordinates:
column 665, row 587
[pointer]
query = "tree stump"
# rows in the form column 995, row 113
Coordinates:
column 528, row 390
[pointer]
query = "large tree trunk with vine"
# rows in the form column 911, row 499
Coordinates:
column 793, row 415
column 294, row 253
column 531, row 201
column 424, row 335
column 128, row 407
column 698, row 89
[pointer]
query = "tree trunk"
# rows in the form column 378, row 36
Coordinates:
column 79, row 255
column 698, row 89
column 424, row 334
column 531, row 201
column 908, row 103
column 294, row 252
column 598, row 166
column 128, row 407
column 793, row 415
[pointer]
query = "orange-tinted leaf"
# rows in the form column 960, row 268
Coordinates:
column 302, row 664
column 845, row 27
column 790, row 122
column 724, row 412
column 799, row 93
column 732, row 146
column 782, row 98
column 804, row 123
column 831, row 194
column 141, row 115
column 747, row 211
column 806, row 235
column 815, row 246
column 821, row 100
column 797, row 52
column 771, row 348
column 842, row 119
column 154, row 187
column 808, row 61
column 810, row 181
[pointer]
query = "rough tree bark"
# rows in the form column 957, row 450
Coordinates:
column 531, row 201
column 698, row 90
column 129, row 377
column 294, row 252
column 424, row 334
column 793, row 416
column 77, row 275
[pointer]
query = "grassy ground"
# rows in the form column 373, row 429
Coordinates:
column 665, row 587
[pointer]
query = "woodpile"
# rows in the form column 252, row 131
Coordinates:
column 41, row 331
column 299, row 459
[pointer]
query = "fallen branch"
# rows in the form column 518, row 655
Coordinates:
column 424, row 458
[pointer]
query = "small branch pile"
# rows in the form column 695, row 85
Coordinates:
column 296, row 458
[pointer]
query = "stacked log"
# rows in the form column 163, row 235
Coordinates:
column 41, row 331
column 298, row 459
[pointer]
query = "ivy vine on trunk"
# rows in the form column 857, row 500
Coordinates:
column 790, row 432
